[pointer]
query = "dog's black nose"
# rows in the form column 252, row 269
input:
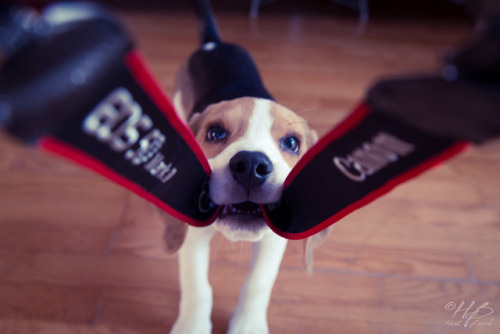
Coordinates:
column 250, row 169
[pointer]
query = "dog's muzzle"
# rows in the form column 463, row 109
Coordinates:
column 250, row 170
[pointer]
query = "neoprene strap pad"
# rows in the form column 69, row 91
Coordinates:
column 134, row 137
column 81, row 90
column 363, row 158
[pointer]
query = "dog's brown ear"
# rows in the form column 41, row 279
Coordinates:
column 312, row 138
column 310, row 245
column 175, row 232
column 194, row 122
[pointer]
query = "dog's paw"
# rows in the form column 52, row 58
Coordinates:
column 248, row 325
column 191, row 326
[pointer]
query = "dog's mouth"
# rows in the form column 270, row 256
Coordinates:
column 241, row 222
column 243, row 212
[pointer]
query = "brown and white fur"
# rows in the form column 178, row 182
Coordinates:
column 268, row 134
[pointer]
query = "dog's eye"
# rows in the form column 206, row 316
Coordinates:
column 216, row 133
column 290, row 143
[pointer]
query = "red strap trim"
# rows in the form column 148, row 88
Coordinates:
column 137, row 66
column 417, row 170
column 356, row 117
column 67, row 151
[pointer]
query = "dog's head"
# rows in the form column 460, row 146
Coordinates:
column 251, row 145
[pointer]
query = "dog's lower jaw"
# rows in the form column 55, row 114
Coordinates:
column 242, row 222
column 237, row 230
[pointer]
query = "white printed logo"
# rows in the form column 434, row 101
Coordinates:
column 118, row 121
column 372, row 156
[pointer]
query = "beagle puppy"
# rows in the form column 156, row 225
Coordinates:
column 251, row 143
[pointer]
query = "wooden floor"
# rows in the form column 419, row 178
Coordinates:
column 79, row 254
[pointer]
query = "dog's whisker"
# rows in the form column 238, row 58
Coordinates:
column 306, row 110
column 298, row 122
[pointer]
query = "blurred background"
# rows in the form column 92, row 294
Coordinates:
column 79, row 254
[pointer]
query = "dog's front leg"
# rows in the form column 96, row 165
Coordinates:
column 196, row 293
column 250, row 315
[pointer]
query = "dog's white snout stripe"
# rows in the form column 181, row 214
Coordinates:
column 260, row 136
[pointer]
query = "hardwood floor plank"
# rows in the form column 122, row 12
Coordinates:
column 50, row 204
column 17, row 326
column 153, row 310
column 141, row 231
column 86, row 270
column 52, row 302
column 379, row 260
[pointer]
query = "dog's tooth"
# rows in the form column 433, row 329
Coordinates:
column 238, row 210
